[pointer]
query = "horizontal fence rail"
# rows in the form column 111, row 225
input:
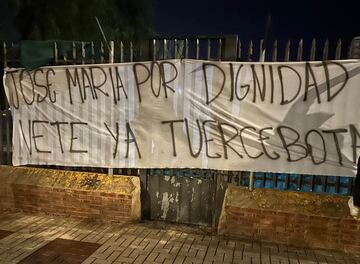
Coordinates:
column 228, row 48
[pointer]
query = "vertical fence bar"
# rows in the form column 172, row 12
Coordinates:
column 5, row 54
column 261, row 51
column 176, row 55
column 312, row 183
column 83, row 59
column 7, row 126
column 240, row 178
column 275, row 51
column 238, row 55
column 324, row 183
column 219, row 50
column 338, row 50
column 1, row 138
column 287, row 181
column 299, row 182
column 354, row 51
column 337, row 184
column 197, row 48
column 275, row 179
column 154, row 50
column 250, row 51
column 252, row 174
column 2, row 114
column 208, row 49
column 101, row 52
column 214, row 191
column 92, row 53
column 111, row 52
column 313, row 50
column 65, row 59
column 111, row 60
column 263, row 179
column 287, row 51
column 349, row 49
column 165, row 51
column 131, row 51
column 56, row 53
column 121, row 51
column 300, row 58
column 7, row 133
column 12, row 57
column 186, row 48
column 251, row 180
column 326, row 50
column 350, row 184
column 73, row 53
column 300, row 50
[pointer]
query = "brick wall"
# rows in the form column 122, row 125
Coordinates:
column 77, row 194
column 298, row 219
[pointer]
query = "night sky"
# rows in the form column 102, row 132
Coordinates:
column 290, row 19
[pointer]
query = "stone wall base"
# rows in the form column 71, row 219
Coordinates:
column 291, row 218
column 77, row 194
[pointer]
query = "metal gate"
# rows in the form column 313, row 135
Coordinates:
column 183, row 196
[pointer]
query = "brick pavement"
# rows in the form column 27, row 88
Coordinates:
column 148, row 243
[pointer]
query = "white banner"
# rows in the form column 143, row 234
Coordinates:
column 298, row 117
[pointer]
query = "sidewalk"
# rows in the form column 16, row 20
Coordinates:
column 22, row 235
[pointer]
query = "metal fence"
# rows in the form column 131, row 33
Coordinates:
column 228, row 48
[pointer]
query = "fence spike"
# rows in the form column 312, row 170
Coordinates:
column 73, row 53
column 208, row 50
column 101, row 52
column 131, row 51
column 219, row 50
column 250, row 51
column 274, row 52
column 65, row 58
column 287, row 51
column 92, row 51
column 83, row 59
column 165, row 53
column 5, row 54
column 313, row 50
column 55, row 53
column 326, row 50
column 338, row 50
column 239, row 50
column 261, row 51
column 154, row 50
column 349, row 49
column 300, row 50
column 111, row 52
column 197, row 49
column 175, row 49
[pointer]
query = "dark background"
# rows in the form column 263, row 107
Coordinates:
column 290, row 19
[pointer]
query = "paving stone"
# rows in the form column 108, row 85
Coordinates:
column 141, row 243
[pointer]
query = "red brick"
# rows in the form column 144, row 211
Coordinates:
column 78, row 203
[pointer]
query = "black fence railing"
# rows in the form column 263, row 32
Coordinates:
column 203, row 47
